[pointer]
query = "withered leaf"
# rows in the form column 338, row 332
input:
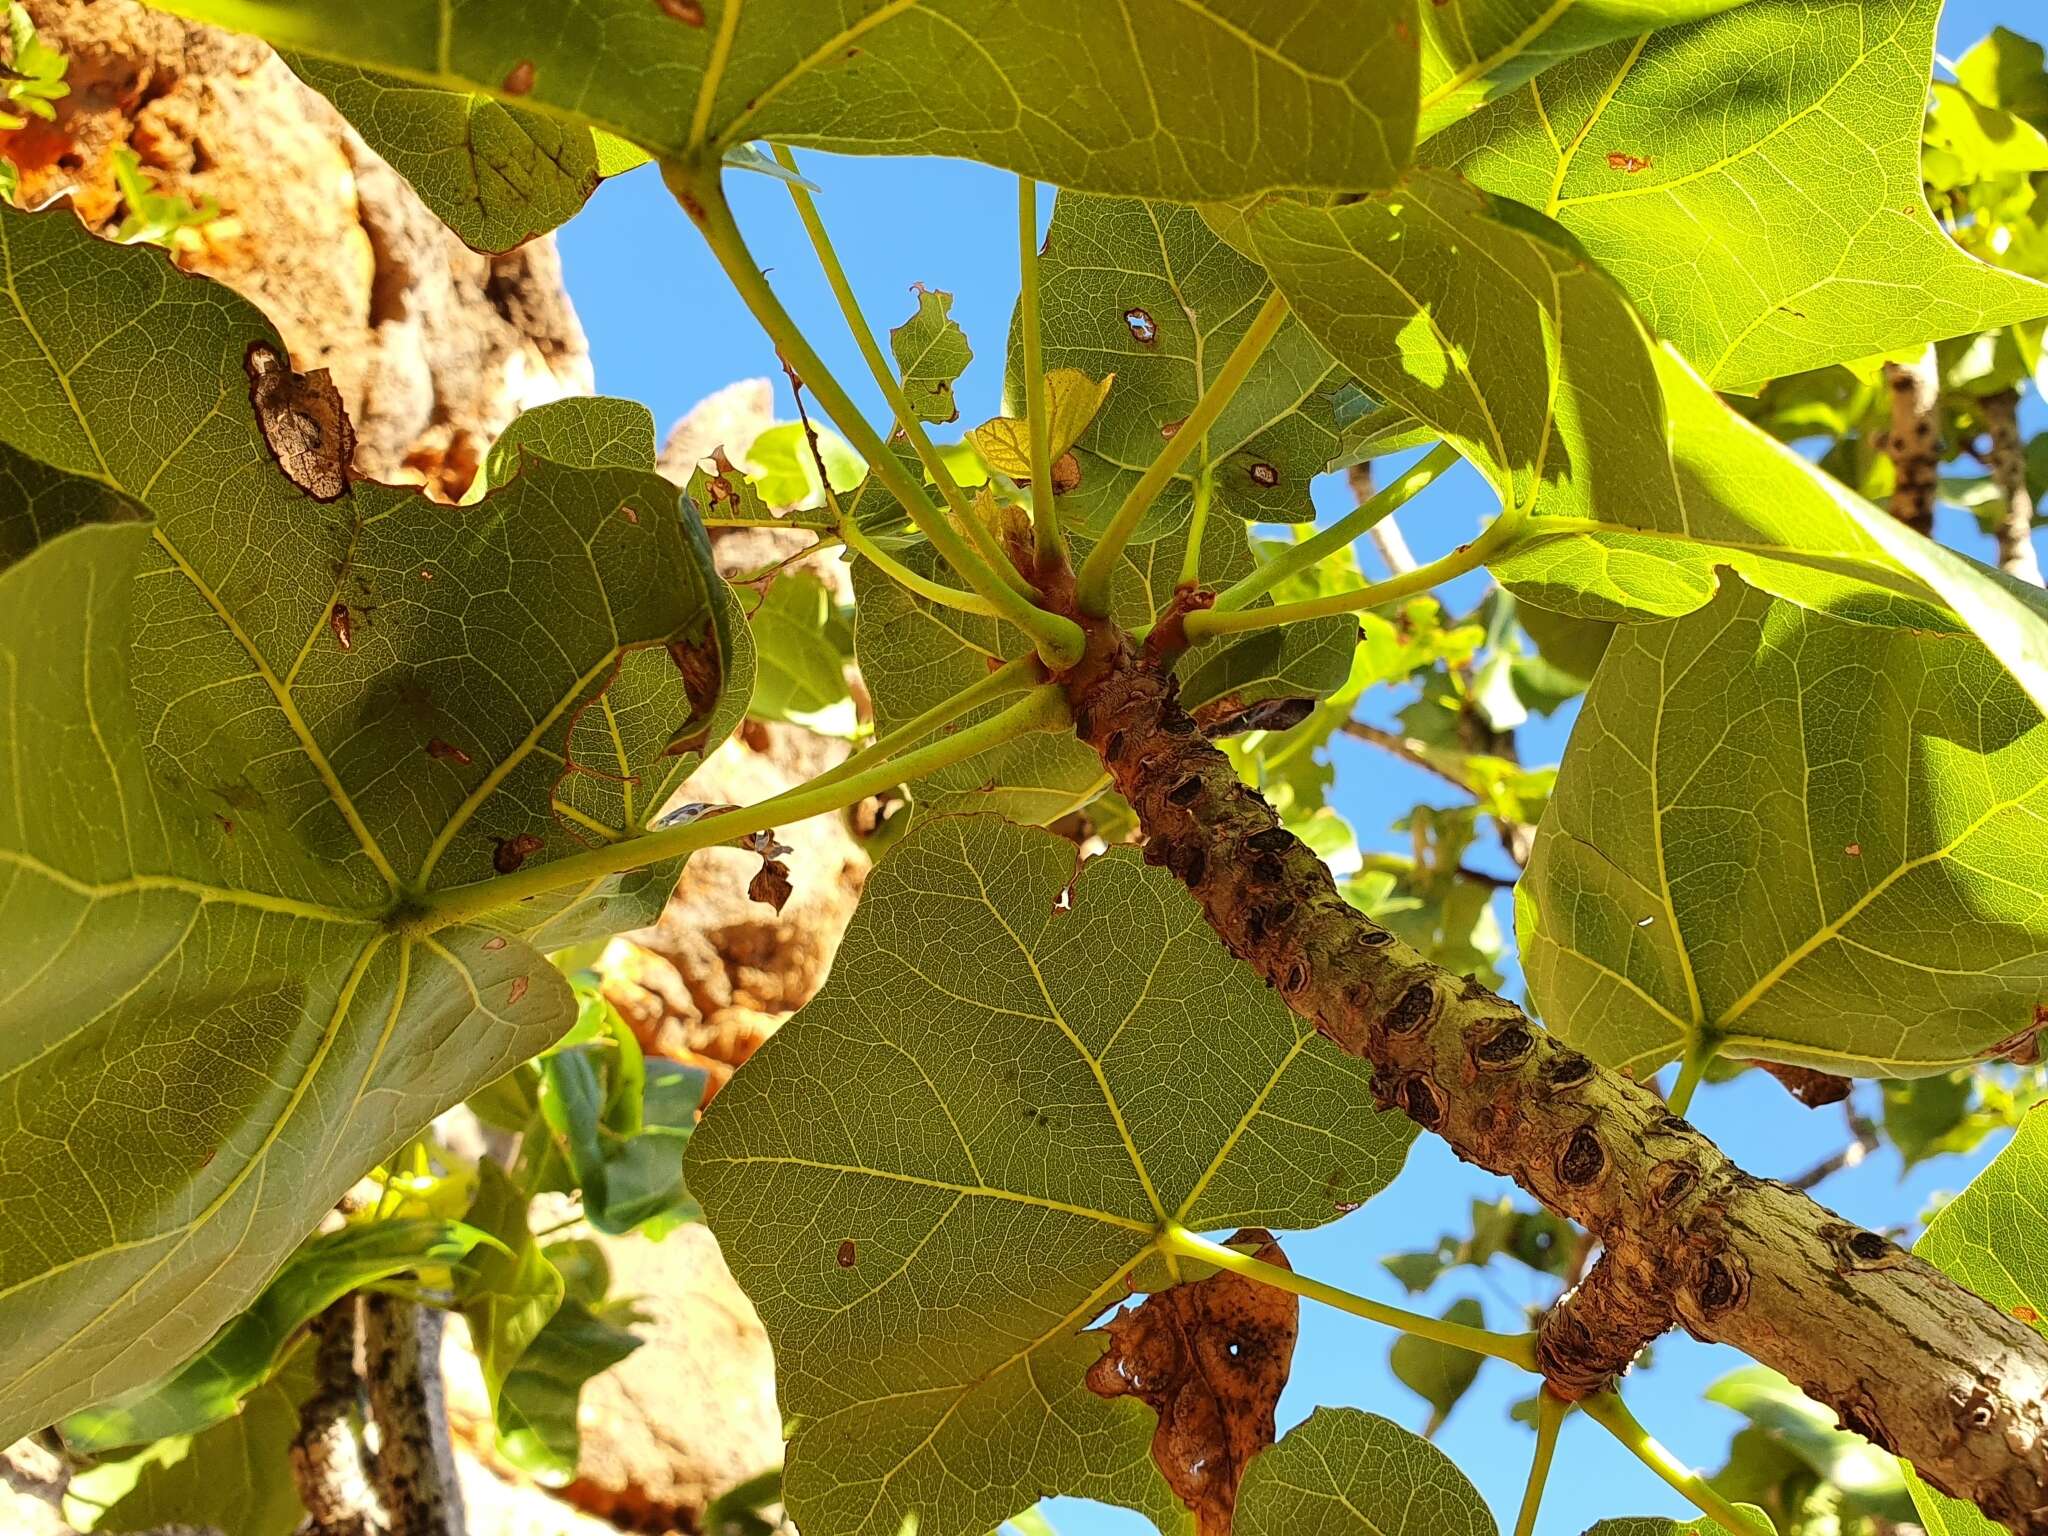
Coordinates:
column 703, row 673
column 1210, row 1358
column 771, row 884
column 1227, row 717
column 303, row 422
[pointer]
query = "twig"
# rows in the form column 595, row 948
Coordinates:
column 1386, row 533
column 1863, row 1132
column 2007, row 461
column 1914, row 441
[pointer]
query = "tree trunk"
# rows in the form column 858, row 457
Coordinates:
column 2007, row 461
column 1914, row 440
column 327, row 1458
column 1904, row 1354
column 415, row 1466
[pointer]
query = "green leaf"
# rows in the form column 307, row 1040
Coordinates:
column 498, row 175
column 785, row 473
column 914, row 654
column 1074, row 397
column 931, row 353
column 1438, row 1373
column 1477, row 50
column 507, row 1291
column 1927, row 1116
column 244, row 1354
column 2003, row 69
column 1988, row 141
column 1989, row 1238
column 222, row 819
column 1482, row 319
column 1664, row 1525
column 537, row 1429
column 1780, row 151
column 1346, row 1473
column 1182, row 102
column 1148, row 292
column 1764, row 807
column 37, row 503
column 802, row 675
column 235, row 1476
column 1869, row 1478
column 1008, row 1092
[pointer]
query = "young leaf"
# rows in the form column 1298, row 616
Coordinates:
column 1438, row 1373
column 1759, row 1523
column 1763, row 806
column 1147, row 291
column 1868, row 1478
column 1074, row 398
column 991, row 1162
column 802, row 668
column 235, row 1476
column 250, row 738
column 508, row 1290
column 931, row 353
column 1989, row 1238
column 537, row 1429
column 1181, row 103
column 1346, row 1473
column 1791, row 180
column 244, row 1354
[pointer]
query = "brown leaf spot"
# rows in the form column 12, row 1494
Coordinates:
column 520, row 80
column 689, row 12
column 1622, row 161
column 511, row 852
column 629, row 515
column 1265, row 475
column 495, row 942
column 1811, row 1088
column 519, row 986
column 846, row 1254
column 446, row 752
column 304, row 424
column 1168, row 428
column 343, row 626
column 1144, row 329
column 2026, row 1314
column 1854, row 850
column 1210, row 1358
column 1066, row 473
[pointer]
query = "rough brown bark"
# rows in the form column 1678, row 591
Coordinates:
column 1914, row 440
column 2007, row 461
column 327, row 1458
column 415, row 1465
column 1904, row 1354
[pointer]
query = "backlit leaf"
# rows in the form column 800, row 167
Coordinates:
column 995, row 1069
column 931, row 353
column 537, row 1430
column 1777, row 145
column 1346, row 1473
column 219, row 808
column 1437, row 1373
column 1148, row 292
column 1176, row 101
column 1812, row 841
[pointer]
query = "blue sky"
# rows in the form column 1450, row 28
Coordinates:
column 665, row 330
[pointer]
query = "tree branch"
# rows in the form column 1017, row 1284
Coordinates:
column 2007, row 462
column 1905, row 1355
column 1914, row 440
column 327, row 1458
column 415, row 1461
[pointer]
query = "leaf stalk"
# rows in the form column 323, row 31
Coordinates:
column 1607, row 1410
column 1049, row 545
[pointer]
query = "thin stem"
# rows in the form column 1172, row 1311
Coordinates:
column 795, row 520
column 1045, row 708
column 1607, row 1410
column 1550, row 1416
column 935, row 591
column 1699, row 1053
column 885, row 376
column 1340, row 534
column 1198, row 524
column 1515, row 1348
column 1093, row 588
column 1048, row 543
column 1010, row 677
column 1468, row 557
column 1058, row 639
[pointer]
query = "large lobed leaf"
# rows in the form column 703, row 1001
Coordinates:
column 1157, row 97
column 965, row 1148
column 1753, row 181
column 217, row 1013
column 1805, row 839
column 1147, row 292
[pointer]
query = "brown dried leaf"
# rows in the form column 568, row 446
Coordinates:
column 1210, row 1358
column 303, row 422
column 771, row 885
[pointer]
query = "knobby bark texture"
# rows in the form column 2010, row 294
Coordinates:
column 415, row 1465
column 1914, row 440
column 327, row 1457
column 1904, row 1354
column 2006, row 459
